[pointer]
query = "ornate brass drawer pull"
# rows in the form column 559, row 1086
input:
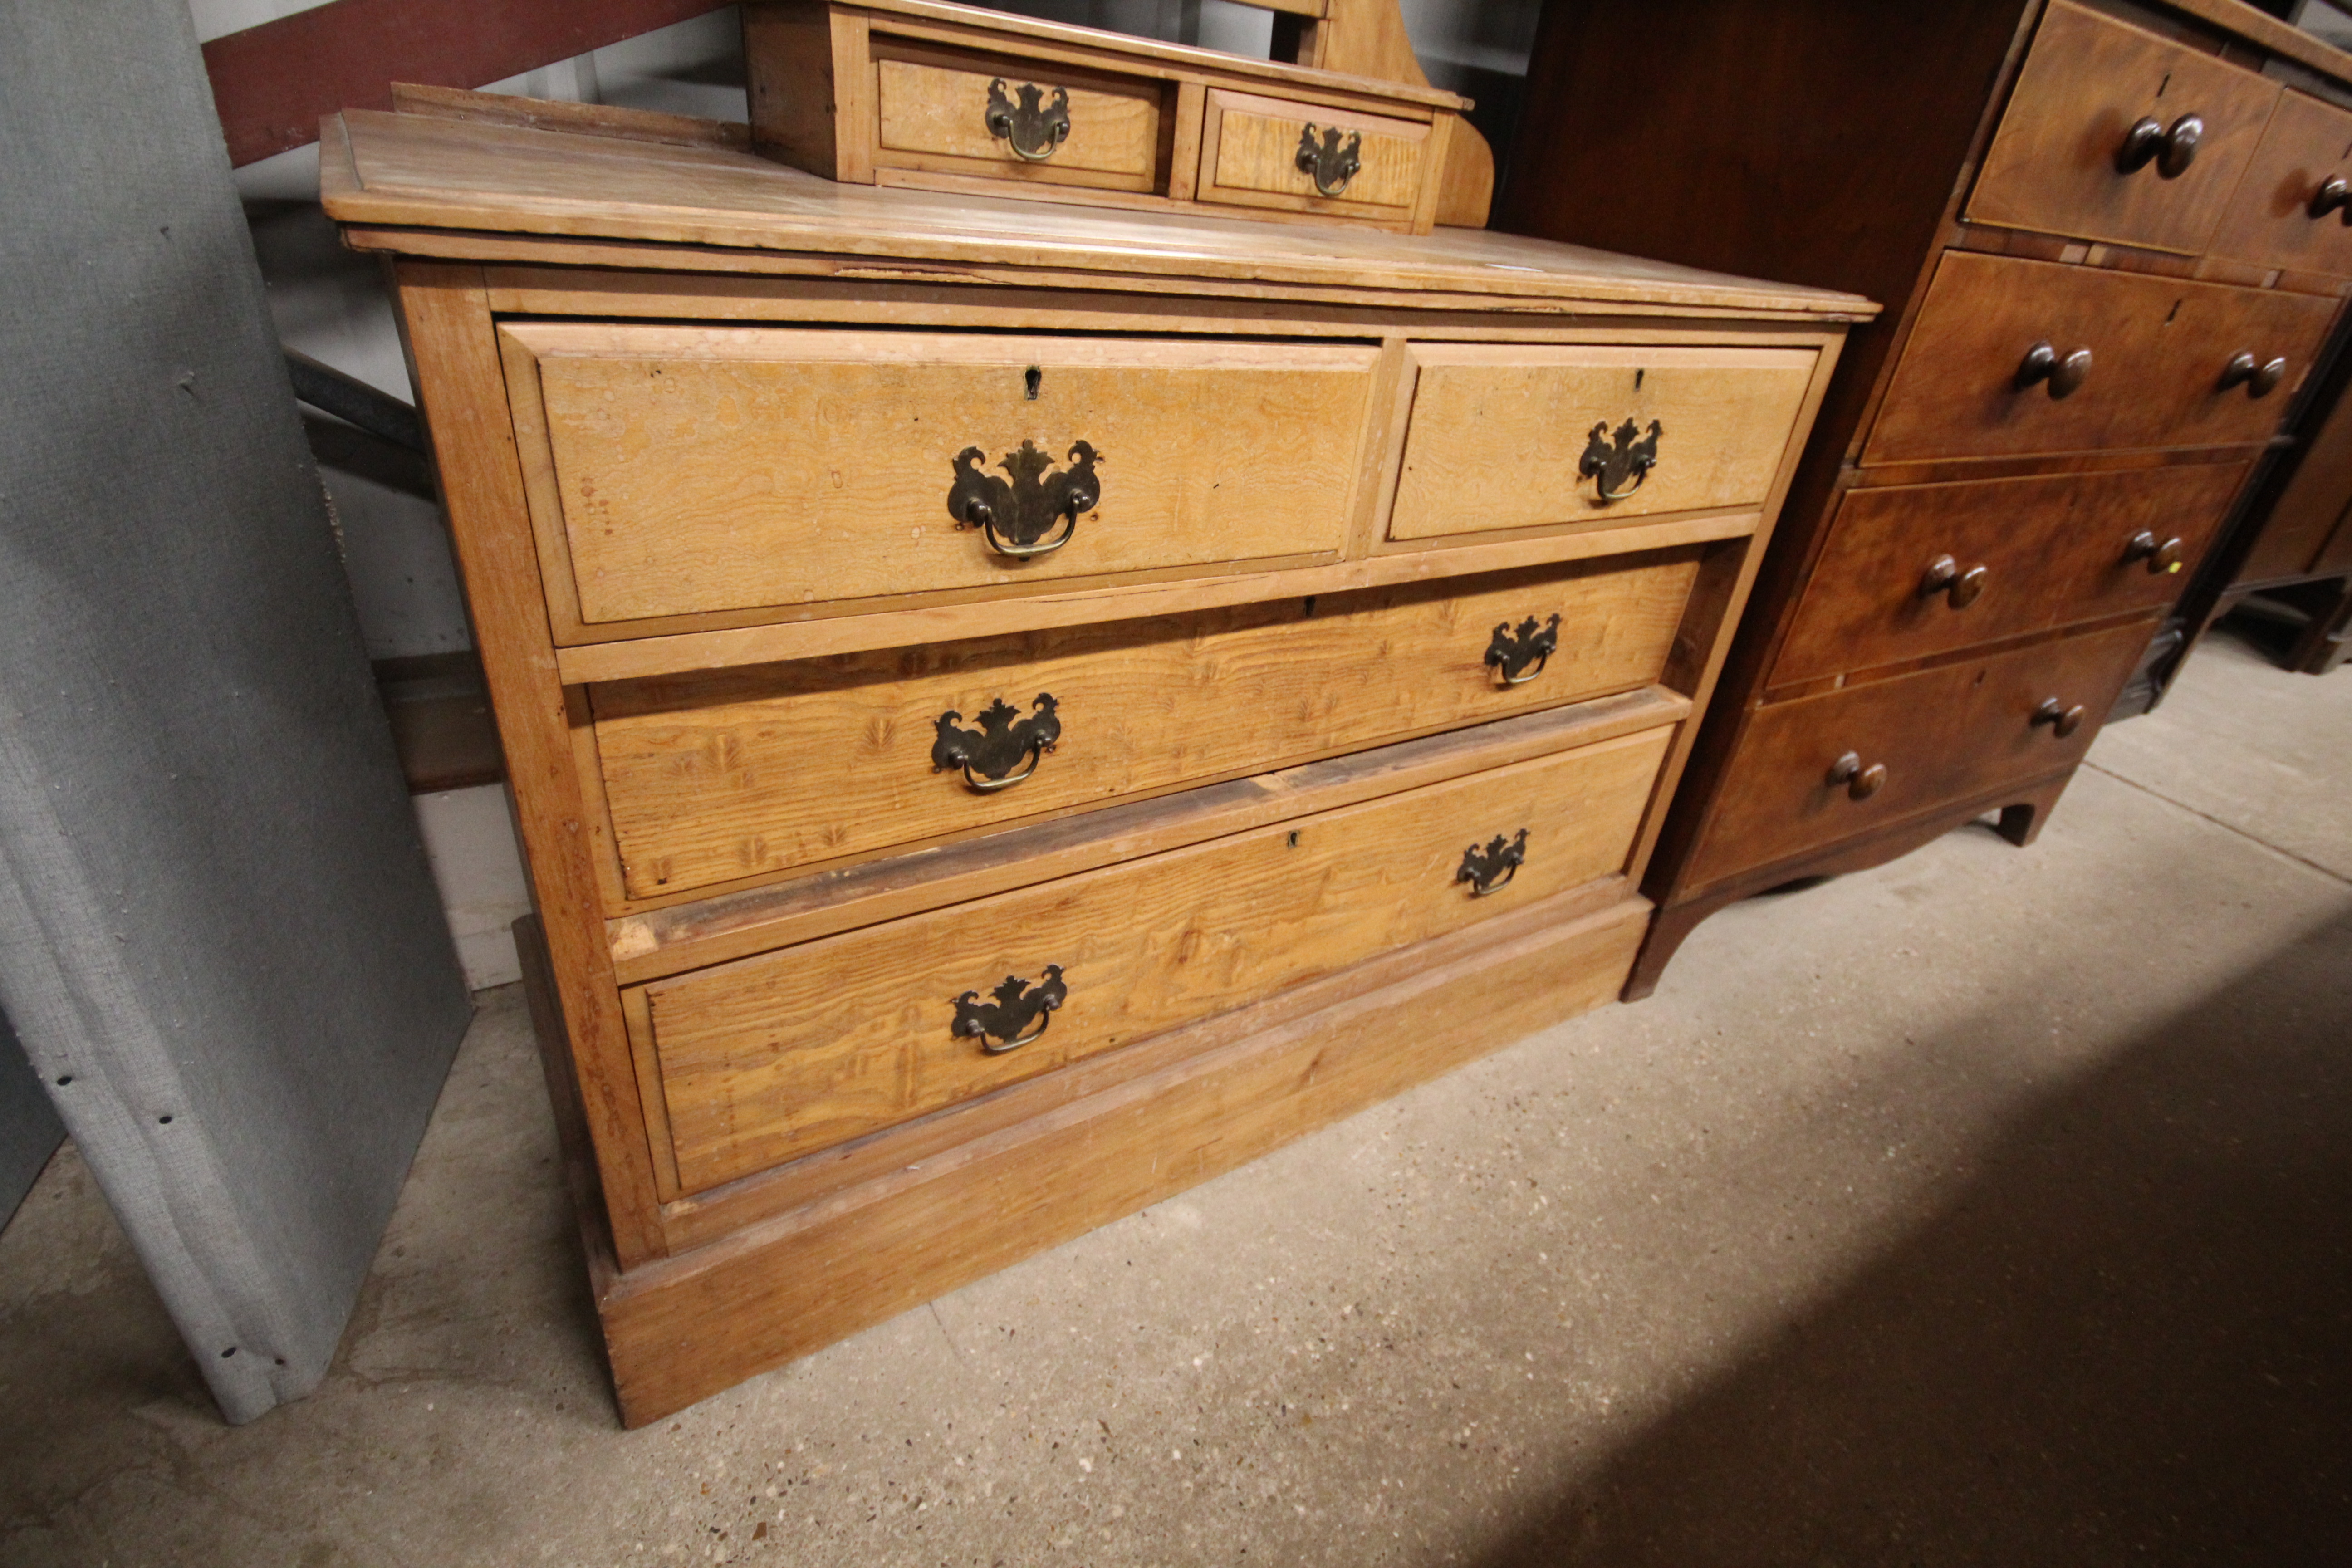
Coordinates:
column 999, row 1024
column 1613, row 457
column 1327, row 162
column 1019, row 519
column 1491, row 868
column 2062, row 720
column 1860, row 783
column 1511, row 653
column 2161, row 555
column 999, row 745
column 2259, row 378
column 2066, row 376
column 1961, row 589
column 1031, row 127
column 2171, row 151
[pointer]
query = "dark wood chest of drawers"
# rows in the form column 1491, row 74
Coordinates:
column 2113, row 240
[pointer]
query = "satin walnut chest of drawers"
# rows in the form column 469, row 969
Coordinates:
column 1014, row 710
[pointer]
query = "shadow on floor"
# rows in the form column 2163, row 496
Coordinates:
column 2128, row 1341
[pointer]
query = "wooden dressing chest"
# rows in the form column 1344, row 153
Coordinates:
column 1013, row 709
column 2114, row 241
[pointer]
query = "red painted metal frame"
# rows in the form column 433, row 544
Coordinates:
column 271, row 83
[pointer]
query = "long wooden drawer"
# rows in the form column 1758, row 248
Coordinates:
column 716, row 778
column 684, row 470
column 1911, row 571
column 2058, row 161
column 758, row 1062
column 1263, row 151
column 1941, row 735
column 2291, row 207
column 1516, row 436
column 2159, row 372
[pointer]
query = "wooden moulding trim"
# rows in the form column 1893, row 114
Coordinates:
column 690, row 651
column 681, row 937
column 684, row 1327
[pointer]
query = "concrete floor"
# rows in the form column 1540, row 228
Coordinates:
column 1991, row 1207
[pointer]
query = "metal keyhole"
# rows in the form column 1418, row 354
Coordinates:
column 1032, row 377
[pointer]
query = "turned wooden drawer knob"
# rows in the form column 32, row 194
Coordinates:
column 2334, row 195
column 1959, row 588
column 2064, row 375
column 2258, row 377
column 2171, row 148
column 1860, row 783
column 2162, row 556
column 2062, row 720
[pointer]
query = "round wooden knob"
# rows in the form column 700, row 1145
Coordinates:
column 2162, row 556
column 2259, row 377
column 2063, row 373
column 2172, row 149
column 2331, row 197
column 1860, row 783
column 1961, row 589
column 2062, row 720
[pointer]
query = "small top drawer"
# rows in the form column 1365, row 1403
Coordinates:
column 2116, row 134
column 1516, row 434
column 965, row 114
column 2294, row 208
column 1272, row 152
column 684, row 470
column 2010, row 358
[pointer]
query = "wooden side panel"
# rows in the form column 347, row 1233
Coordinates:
column 2051, row 166
column 679, row 1332
column 731, row 467
column 2270, row 222
column 729, row 776
column 776, row 1056
column 788, row 53
column 2053, row 549
column 1500, row 432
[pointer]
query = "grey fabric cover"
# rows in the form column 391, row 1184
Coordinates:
column 29, row 1131
column 219, row 940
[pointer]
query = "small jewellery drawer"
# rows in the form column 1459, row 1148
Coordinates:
column 977, row 114
column 2010, row 358
column 1915, row 570
column 1817, row 770
column 1272, row 152
column 761, row 1061
column 2294, row 208
column 2116, row 134
column 715, row 778
column 684, row 470
column 1518, row 434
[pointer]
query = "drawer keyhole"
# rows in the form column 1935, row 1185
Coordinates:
column 1034, row 377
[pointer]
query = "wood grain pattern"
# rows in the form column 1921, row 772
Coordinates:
column 1251, row 150
column 2053, row 549
column 931, row 108
column 2269, row 222
column 2159, row 347
column 784, row 1289
column 1941, row 734
column 710, row 469
column 719, row 778
column 2051, row 166
column 1497, row 431
column 792, row 95
column 773, row 1057
column 577, row 118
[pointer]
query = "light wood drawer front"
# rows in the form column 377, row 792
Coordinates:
column 974, row 115
column 2286, row 213
column 2160, row 352
column 716, row 778
column 1517, row 436
column 699, row 469
column 1254, row 151
column 1940, row 735
column 2012, row 556
column 2054, row 163
column 773, row 1057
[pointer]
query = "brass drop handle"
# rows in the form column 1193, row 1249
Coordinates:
column 1034, row 513
column 2064, row 375
column 1002, row 1023
column 1327, row 162
column 2259, row 378
column 2171, row 149
column 1613, row 457
column 2334, row 195
column 1004, row 741
column 2161, row 555
column 2062, row 720
column 1961, row 589
column 1034, row 128
column 1489, row 868
column 1860, row 783
column 1518, row 656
